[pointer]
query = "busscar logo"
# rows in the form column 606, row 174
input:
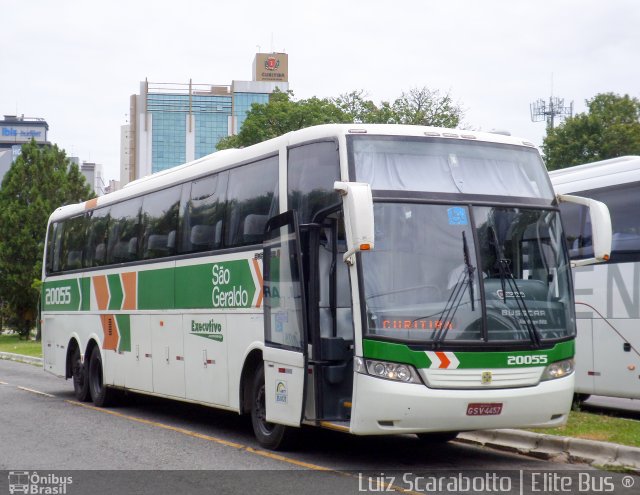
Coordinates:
column 511, row 294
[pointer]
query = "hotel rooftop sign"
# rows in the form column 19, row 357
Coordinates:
column 16, row 130
column 271, row 67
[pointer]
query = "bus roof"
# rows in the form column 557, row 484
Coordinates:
column 226, row 158
column 596, row 175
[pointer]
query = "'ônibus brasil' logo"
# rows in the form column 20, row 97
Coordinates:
column 272, row 63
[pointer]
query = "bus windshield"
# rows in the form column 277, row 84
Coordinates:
column 443, row 273
column 449, row 166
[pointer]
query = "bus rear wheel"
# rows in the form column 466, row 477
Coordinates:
column 101, row 395
column 269, row 435
column 80, row 378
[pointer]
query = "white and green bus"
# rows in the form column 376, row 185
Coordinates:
column 375, row 279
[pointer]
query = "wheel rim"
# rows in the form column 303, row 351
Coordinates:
column 261, row 412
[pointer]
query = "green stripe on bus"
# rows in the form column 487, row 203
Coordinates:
column 124, row 327
column 115, row 292
column 401, row 353
column 194, row 286
column 85, row 293
column 155, row 289
column 61, row 295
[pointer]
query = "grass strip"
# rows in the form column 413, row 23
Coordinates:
column 599, row 427
column 12, row 343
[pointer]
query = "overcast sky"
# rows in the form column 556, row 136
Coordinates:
column 75, row 63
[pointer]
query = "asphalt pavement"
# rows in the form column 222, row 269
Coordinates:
column 542, row 446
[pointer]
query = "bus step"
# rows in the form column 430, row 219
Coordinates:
column 336, row 425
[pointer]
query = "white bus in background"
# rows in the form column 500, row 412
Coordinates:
column 375, row 279
column 608, row 294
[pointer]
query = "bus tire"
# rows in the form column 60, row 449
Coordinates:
column 437, row 437
column 579, row 400
column 100, row 394
column 80, row 377
column 269, row 435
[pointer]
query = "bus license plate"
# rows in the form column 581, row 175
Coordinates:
column 484, row 409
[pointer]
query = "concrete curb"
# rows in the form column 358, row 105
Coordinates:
column 21, row 358
column 552, row 447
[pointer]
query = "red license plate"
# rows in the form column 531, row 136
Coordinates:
column 484, row 409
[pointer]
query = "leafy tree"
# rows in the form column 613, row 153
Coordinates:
column 610, row 128
column 420, row 106
column 281, row 115
column 39, row 181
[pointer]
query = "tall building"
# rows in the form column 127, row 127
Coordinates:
column 93, row 174
column 173, row 123
column 16, row 131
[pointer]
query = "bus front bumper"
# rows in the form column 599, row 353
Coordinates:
column 385, row 407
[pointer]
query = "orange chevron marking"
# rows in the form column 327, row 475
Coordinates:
column 111, row 335
column 92, row 203
column 129, row 283
column 256, row 265
column 101, row 289
column 444, row 360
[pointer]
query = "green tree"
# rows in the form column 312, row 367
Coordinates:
column 610, row 128
column 39, row 181
column 282, row 114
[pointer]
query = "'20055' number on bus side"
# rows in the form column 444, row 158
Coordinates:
column 58, row 295
column 518, row 360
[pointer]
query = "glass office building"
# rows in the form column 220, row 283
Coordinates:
column 171, row 124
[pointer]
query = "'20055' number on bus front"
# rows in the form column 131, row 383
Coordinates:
column 58, row 295
column 518, row 360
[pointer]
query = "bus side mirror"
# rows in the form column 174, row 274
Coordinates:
column 358, row 217
column 600, row 228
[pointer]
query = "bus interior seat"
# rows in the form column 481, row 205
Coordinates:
column 253, row 228
column 217, row 234
column 100, row 254
column 171, row 241
column 132, row 248
column 74, row 260
column 202, row 237
column 157, row 246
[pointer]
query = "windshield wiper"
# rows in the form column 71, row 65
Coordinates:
column 469, row 267
column 465, row 279
column 506, row 274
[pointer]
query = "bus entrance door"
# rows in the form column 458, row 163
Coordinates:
column 285, row 353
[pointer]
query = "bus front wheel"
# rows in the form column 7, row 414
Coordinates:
column 80, row 378
column 100, row 394
column 270, row 435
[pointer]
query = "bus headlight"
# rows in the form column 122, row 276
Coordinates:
column 389, row 371
column 558, row 369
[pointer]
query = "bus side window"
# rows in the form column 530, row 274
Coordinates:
column 252, row 198
column 203, row 214
column 55, row 247
column 312, row 170
column 124, row 231
column 73, row 240
column 625, row 222
column 160, row 223
column 96, row 239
